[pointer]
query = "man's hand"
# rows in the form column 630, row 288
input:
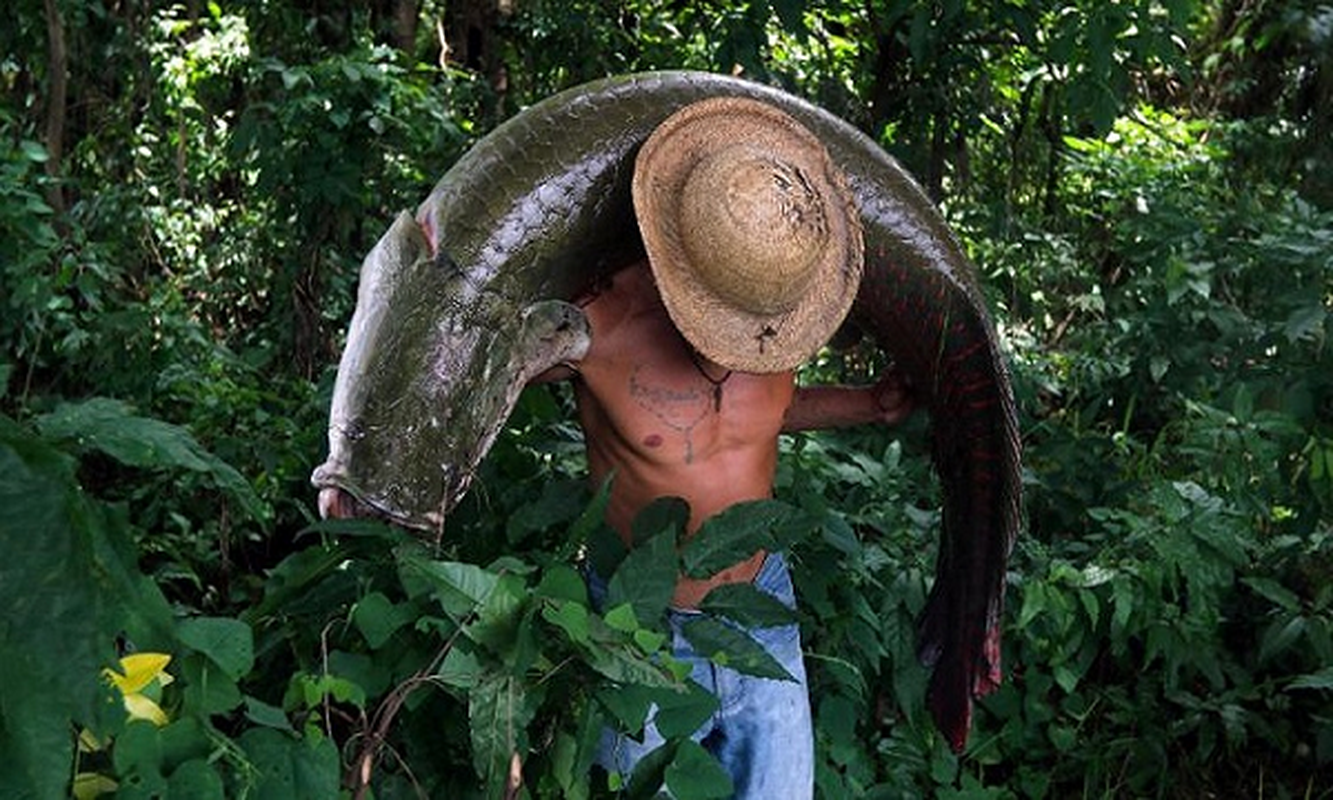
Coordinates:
column 892, row 398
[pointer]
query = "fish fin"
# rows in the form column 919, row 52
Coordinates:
column 554, row 332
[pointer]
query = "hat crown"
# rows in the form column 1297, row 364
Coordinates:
column 751, row 231
column 754, row 228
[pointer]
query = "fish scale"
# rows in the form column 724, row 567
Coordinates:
column 539, row 210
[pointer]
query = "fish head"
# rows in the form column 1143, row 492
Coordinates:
column 433, row 365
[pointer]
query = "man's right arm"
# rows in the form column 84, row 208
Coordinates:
column 815, row 407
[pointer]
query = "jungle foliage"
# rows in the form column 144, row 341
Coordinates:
column 186, row 192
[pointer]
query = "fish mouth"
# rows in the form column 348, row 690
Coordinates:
column 339, row 498
column 336, row 503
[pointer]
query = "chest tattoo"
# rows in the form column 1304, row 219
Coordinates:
column 679, row 409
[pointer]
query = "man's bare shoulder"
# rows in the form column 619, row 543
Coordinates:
column 610, row 307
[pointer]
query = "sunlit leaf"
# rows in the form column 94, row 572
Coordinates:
column 138, row 670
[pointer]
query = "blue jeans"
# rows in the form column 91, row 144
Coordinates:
column 761, row 732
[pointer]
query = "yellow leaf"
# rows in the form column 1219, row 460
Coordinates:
column 139, row 671
column 88, row 742
column 140, row 707
column 88, row 785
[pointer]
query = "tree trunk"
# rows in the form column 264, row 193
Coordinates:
column 474, row 43
column 405, row 27
column 58, row 68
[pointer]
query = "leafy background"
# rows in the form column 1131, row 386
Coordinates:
column 185, row 195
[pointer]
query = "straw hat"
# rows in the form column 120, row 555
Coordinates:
column 751, row 232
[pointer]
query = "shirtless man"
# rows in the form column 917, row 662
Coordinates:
column 754, row 256
column 668, row 421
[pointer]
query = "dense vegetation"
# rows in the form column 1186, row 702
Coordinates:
column 185, row 195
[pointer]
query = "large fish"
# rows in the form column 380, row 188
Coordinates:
column 460, row 305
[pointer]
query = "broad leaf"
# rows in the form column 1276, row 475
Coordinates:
column 197, row 780
column 650, row 772
column 1323, row 679
column 663, row 516
column 747, row 605
column 697, row 774
column 563, row 582
column 629, row 704
column 499, row 712
column 110, row 426
column 287, row 767
column 56, row 634
column 228, row 642
column 377, row 617
column 646, row 579
column 560, row 501
column 460, row 588
column 728, row 647
column 572, row 618
column 681, row 713
column 734, row 535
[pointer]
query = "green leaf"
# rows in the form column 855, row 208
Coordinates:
column 503, row 623
column 313, row 691
column 34, row 151
column 665, row 516
column 377, row 617
column 593, row 517
column 269, row 716
column 1280, row 636
column 228, row 642
column 359, row 527
column 682, row 712
column 1323, row 679
column 572, row 618
column 1285, row 598
column 460, row 668
column 197, row 780
column 208, row 688
column 563, row 582
column 646, row 579
column 560, row 501
column 836, row 723
column 459, row 588
column 1306, row 322
column 622, row 618
column 840, row 535
column 696, row 773
column 291, row 768
column 626, row 666
column 650, row 772
column 734, row 535
column 747, row 605
column 499, row 713
column 66, row 592
column 111, row 427
column 138, row 751
column 629, row 705
column 648, row 641
column 728, row 647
